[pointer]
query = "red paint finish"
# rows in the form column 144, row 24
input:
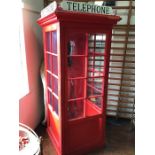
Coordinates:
column 76, row 49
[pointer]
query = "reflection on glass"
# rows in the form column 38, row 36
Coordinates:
column 54, row 42
column 95, row 67
column 94, row 86
column 79, row 77
column 48, row 61
column 49, row 97
column 97, row 43
column 75, row 88
column 49, row 81
column 97, row 101
column 52, row 69
column 54, row 64
column 55, row 105
column 55, row 85
column 47, row 35
column 76, row 73
column 75, row 109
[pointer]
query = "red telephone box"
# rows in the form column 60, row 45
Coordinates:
column 76, row 53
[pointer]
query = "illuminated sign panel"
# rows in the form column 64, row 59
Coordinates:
column 76, row 7
column 85, row 7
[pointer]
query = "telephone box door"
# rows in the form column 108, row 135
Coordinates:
column 87, row 59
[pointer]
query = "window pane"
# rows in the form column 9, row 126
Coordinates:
column 54, row 42
column 49, row 97
column 55, row 85
column 99, row 60
column 47, row 37
column 94, row 72
column 49, row 80
column 97, row 101
column 97, row 43
column 75, row 109
column 76, row 67
column 75, row 88
column 76, row 44
column 49, row 60
column 95, row 66
column 94, row 86
column 55, row 105
column 54, row 64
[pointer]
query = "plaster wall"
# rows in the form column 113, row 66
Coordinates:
column 31, row 105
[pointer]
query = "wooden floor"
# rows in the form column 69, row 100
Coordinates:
column 120, row 139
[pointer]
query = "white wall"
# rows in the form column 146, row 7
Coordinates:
column 31, row 105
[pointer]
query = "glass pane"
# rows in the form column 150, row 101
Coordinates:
column 75, row 88
column 55, row 105
column 75, row 109
column 55, row 85
column 76, row 67
column 99, row 60
column 76, row 44
column 97, row 43
column 47, row 37
column 94, row 86
column 49, row 61
column 97, row 65
column 49, row 97
column 97, row 101
column 96, row 68
column 54, row 42
column 95, row 72
column 49, row 80
column 54, row 64
column 93, row 90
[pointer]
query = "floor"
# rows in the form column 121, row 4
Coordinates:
column 120, row 139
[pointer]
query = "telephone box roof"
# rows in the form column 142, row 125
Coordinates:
column 59, row 14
